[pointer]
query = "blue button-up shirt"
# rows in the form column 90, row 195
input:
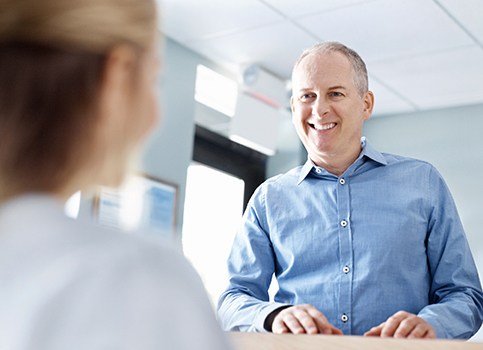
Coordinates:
column 382, row 237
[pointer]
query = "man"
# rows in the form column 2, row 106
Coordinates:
column 360, row 242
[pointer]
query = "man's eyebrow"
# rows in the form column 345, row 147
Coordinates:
column 304, row 89
column 337, row 87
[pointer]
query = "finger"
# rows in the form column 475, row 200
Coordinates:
column 279, row 327
column 293, row 324
column 392, row 324
column 406, row 327
column 320, row 320
column 389, row 328
column 430, row 334
column 375, row 331
column 306, row 321
column 335, row 330
column 419, row 331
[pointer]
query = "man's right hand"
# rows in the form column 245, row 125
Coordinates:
column 300, row 319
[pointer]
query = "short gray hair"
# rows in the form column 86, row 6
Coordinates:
column 360, row 71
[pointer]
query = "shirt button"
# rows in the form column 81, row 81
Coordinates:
column 344, row 318
column 343, row 223
column 342, row 181
column 318, row 171
column 346, row 269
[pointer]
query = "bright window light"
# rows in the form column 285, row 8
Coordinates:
column 215, row 90
column 212, row 215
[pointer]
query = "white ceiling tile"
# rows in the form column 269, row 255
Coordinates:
column 293, row 9
column 274, row 47
column 468, row 13
column 386, row 101
column 186, row 20
column 437, row 80
column 385, row 29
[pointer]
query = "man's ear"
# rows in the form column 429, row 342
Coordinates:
column 292, row 106
column 368, row 105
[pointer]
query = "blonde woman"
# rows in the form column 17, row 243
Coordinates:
column 77, row 96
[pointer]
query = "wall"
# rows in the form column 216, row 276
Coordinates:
column 168, row 152
column 450, row 139
column 290, row 152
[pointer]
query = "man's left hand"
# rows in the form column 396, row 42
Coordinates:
column 403, row 325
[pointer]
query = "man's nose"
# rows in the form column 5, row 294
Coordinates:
column 320, row 108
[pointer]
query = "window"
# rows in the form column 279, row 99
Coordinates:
column 215, row 90
column 220, row 182
column 212, row 215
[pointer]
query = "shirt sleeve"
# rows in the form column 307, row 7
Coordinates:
column 455, row 307
column 245, row 304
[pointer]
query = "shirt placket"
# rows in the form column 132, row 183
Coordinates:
column 346, row 259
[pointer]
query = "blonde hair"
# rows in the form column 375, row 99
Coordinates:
column 359, row 67
column 52, row 57
column 88, row 25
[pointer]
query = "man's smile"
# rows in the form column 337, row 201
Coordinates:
column 322, row 127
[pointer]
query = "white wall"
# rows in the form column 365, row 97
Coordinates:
column 452, row 140
column 290, row 152
column 169, row 150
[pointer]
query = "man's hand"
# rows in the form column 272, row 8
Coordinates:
column 403, row 325
column 301, row 319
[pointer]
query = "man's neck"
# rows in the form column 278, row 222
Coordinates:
column 337, row 164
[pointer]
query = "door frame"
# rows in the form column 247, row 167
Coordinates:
column 219, row 152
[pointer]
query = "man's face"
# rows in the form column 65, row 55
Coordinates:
column 327, row 110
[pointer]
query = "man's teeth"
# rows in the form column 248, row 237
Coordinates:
column 324, row 126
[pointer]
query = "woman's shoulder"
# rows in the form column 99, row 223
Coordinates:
column 115, row 286
column 38, row 225
column 128, row 251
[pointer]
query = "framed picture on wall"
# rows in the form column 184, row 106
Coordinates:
column 143, row 203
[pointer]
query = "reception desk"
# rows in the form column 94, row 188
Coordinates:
column 268, row 341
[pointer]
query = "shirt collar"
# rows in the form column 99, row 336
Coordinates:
column 372, row 153
column 305, row 170
column 367, row 150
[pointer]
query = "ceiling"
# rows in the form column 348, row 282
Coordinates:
column 420, row 54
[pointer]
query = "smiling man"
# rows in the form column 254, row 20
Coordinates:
column 361, row 242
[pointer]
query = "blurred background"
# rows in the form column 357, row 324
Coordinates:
column 226, row 121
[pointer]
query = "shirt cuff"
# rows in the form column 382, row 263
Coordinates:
column 262, row 315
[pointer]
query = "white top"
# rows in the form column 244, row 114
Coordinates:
column 69, row 284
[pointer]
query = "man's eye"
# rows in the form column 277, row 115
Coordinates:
column 336, row 94
column 306, row 97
